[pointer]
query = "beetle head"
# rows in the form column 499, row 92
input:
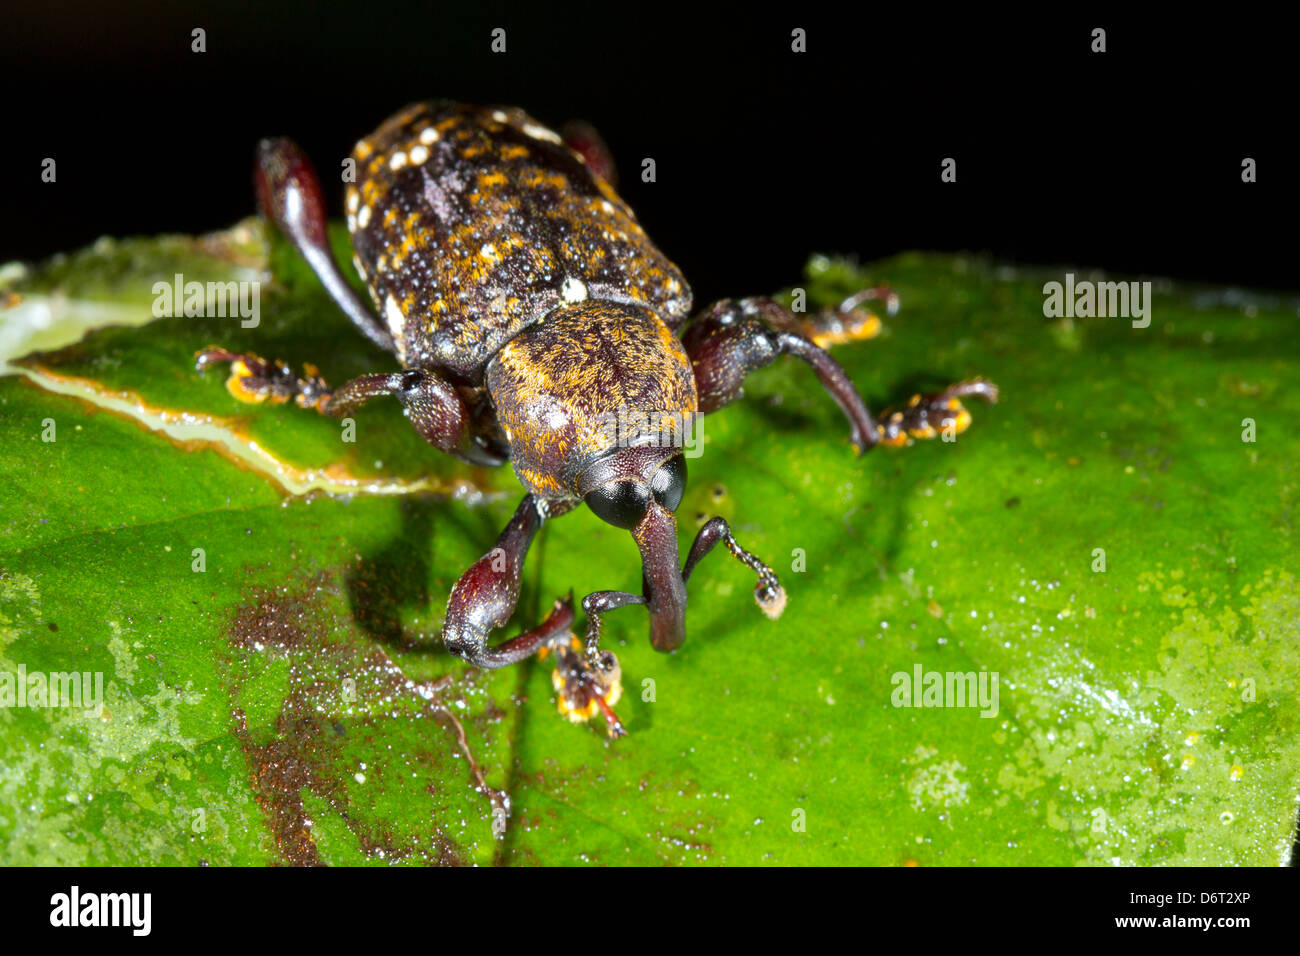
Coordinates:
column 620, row 486
column 639, row 488
column 598, row 402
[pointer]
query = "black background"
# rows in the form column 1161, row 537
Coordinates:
column 1128, row 160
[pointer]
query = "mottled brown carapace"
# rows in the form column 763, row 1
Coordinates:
column 534, row 321
column 470, row 223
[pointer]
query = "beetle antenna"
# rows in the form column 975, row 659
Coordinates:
column 768, row 592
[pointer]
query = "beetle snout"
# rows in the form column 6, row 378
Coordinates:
column 665, row 591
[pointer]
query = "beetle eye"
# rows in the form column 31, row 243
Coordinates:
column 669, row 482
column 621, row 503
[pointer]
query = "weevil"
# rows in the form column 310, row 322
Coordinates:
column 527, row 310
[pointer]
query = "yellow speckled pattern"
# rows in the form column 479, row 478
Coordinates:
column 555, row 383
column 470, row 223
column 923, row 421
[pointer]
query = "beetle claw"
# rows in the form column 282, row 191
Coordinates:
column 927, row 416
column 583, row 690
column 253, row 379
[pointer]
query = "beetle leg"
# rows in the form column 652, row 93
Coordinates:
column 254, row 379
column 665, row 587
column 594, row 605
column 926, row 416
column 848, row 322
column 434, row 407
column 485, row 597
column 290, row 195
column 732, row 339
column 584, row 689
column 583, row 139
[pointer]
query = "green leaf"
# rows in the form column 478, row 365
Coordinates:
column 291, row 703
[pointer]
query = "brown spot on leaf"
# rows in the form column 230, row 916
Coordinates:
column 343, row 693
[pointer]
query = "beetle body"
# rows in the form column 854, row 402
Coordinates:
column 498, row 257
column 529, row 312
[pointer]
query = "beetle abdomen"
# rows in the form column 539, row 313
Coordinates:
column 471, row 223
